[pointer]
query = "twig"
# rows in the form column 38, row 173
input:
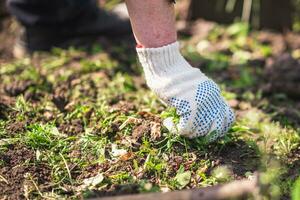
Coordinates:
column 4, row 179
column 247, row 10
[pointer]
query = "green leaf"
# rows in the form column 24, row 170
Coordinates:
column 238, row 29
column 93, row 181
column 183, row 178
column 296, row 190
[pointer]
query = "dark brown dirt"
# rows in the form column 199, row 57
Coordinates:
column 294, row 162
column 17, row 87
column 239, row 157
column 175, row 162
column 33, row 96
column 59, row 98
column 112, row 189
column 283, row 76
column 16, row 127
column 93, row 170
column 288, row 113
column 6, row 100
column 18, row 162
column 293, row 172
column 17, row 155
column 74, row 127
column 3, row 113
column 5, row 103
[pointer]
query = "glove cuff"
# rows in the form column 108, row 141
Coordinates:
column 163, row 61
column 159, row 59
column 167, row 72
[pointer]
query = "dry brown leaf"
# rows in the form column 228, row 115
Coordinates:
column 127, row 156
column 140, row 130
column 131, row 120
column 155, row 129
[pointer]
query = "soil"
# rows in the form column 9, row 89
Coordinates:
column 15, row 160
column 16, row 127
column 5, row 103
column 239, row 157
column 283, row 76
column 59, row 97
column 18, row 87
column 72, row 128
column 294, row 161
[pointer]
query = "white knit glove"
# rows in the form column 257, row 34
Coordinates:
column 197, row 99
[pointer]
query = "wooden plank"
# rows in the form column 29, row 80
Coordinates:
column 235, row 190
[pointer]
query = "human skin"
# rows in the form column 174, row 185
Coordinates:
column 153, row 22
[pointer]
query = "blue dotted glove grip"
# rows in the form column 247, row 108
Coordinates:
column 211, row 113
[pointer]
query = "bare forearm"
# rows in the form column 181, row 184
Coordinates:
column 153, row 22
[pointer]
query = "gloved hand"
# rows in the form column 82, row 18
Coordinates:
column 197, row 99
